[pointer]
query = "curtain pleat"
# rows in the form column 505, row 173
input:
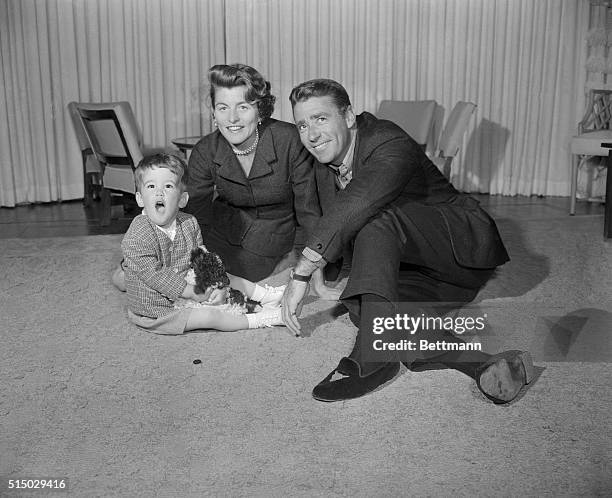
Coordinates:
column 152, row 53
column 521, row 61
column 518, row 60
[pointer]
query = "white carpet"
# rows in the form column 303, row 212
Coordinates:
column 120, row 412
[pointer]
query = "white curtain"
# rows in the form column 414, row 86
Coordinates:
column 521, row 61
column 152, row 53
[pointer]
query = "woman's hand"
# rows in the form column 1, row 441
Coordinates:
column 190, row 293
column 217, row 296
column 213, row 295
column 322, row 290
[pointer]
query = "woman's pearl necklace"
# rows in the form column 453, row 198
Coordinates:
column 250, row 149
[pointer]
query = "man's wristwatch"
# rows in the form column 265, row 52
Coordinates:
column 299, row 278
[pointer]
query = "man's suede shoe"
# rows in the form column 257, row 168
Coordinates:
column 347, row 382
column 503, row 376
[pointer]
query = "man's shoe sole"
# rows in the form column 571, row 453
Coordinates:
column 502, row 377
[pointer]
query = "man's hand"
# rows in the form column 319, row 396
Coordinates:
column 294, row 294
column 322, row 290
column 291, row 304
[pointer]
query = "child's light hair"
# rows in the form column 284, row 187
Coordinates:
column 167, row 161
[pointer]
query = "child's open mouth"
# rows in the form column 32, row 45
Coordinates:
column 159, row 205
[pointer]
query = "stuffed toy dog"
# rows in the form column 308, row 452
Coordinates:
column 209, row 271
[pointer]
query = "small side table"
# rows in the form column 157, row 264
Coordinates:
column 185, row 144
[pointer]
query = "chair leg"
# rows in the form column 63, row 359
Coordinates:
column 447, row 167
column 96, row 185
column 608, row 206
column 87, row 188
column 105, row 207
column 574, row 183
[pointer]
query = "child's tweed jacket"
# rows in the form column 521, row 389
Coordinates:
column 155, row 266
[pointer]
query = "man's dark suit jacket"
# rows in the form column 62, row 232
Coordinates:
column 391, row 172
column 258, row 213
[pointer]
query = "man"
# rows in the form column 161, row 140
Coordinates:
column 414, row 240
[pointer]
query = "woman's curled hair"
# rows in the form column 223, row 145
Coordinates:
column 233, row 75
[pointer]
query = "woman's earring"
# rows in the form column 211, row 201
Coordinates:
column 214, row 123
column 259, row 122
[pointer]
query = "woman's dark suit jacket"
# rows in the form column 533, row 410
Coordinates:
column 391, row 173
column 259, row 213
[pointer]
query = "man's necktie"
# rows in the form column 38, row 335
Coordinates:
column 344, row 176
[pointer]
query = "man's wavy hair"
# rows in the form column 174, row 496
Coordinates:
column 321, row 87
column 167, row 161
column 233, row 75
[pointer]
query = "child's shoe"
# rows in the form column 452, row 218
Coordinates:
column 268, row 296
column 269, row 317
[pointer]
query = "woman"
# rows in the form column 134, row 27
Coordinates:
column 251, row 182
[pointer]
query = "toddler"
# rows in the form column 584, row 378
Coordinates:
column 156, row 252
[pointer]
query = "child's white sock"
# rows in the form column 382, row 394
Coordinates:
column 267, row 295
column 269, row 317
